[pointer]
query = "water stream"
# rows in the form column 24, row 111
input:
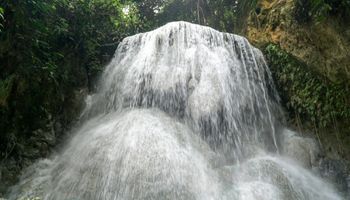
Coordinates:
column 182, row 112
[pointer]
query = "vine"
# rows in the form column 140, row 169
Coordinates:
column 306, row 93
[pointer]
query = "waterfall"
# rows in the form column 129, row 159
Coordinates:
column 181, row 112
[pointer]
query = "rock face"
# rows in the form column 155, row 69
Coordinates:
column 41, row 141
column 318, row 51
column 304, row 150
column 324, row 46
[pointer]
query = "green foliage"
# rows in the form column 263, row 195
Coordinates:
column 308, row 94
column 47, row 50
column 319, row 10
column 340, row 8
column 224, row 15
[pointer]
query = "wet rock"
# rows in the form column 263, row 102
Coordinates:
column 336, row 172
column 58, row 128
column 305, row 151
column 9, row 171
column 41, row 141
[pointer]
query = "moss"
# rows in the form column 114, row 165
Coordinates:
column 313, row 103
column 306, row 93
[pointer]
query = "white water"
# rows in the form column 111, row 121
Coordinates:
column 182, row 112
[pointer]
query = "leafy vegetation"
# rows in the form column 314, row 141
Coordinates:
column 224, row 15
column 48, row 49
column 319, row 10
column 309, row 95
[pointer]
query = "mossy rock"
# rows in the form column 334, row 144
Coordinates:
column 313, row 102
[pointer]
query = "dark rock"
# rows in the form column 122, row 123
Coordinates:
column 9, row 171
column 40, row 142
column 336, row 172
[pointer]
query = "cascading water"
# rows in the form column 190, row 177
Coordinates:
column 182, row 112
